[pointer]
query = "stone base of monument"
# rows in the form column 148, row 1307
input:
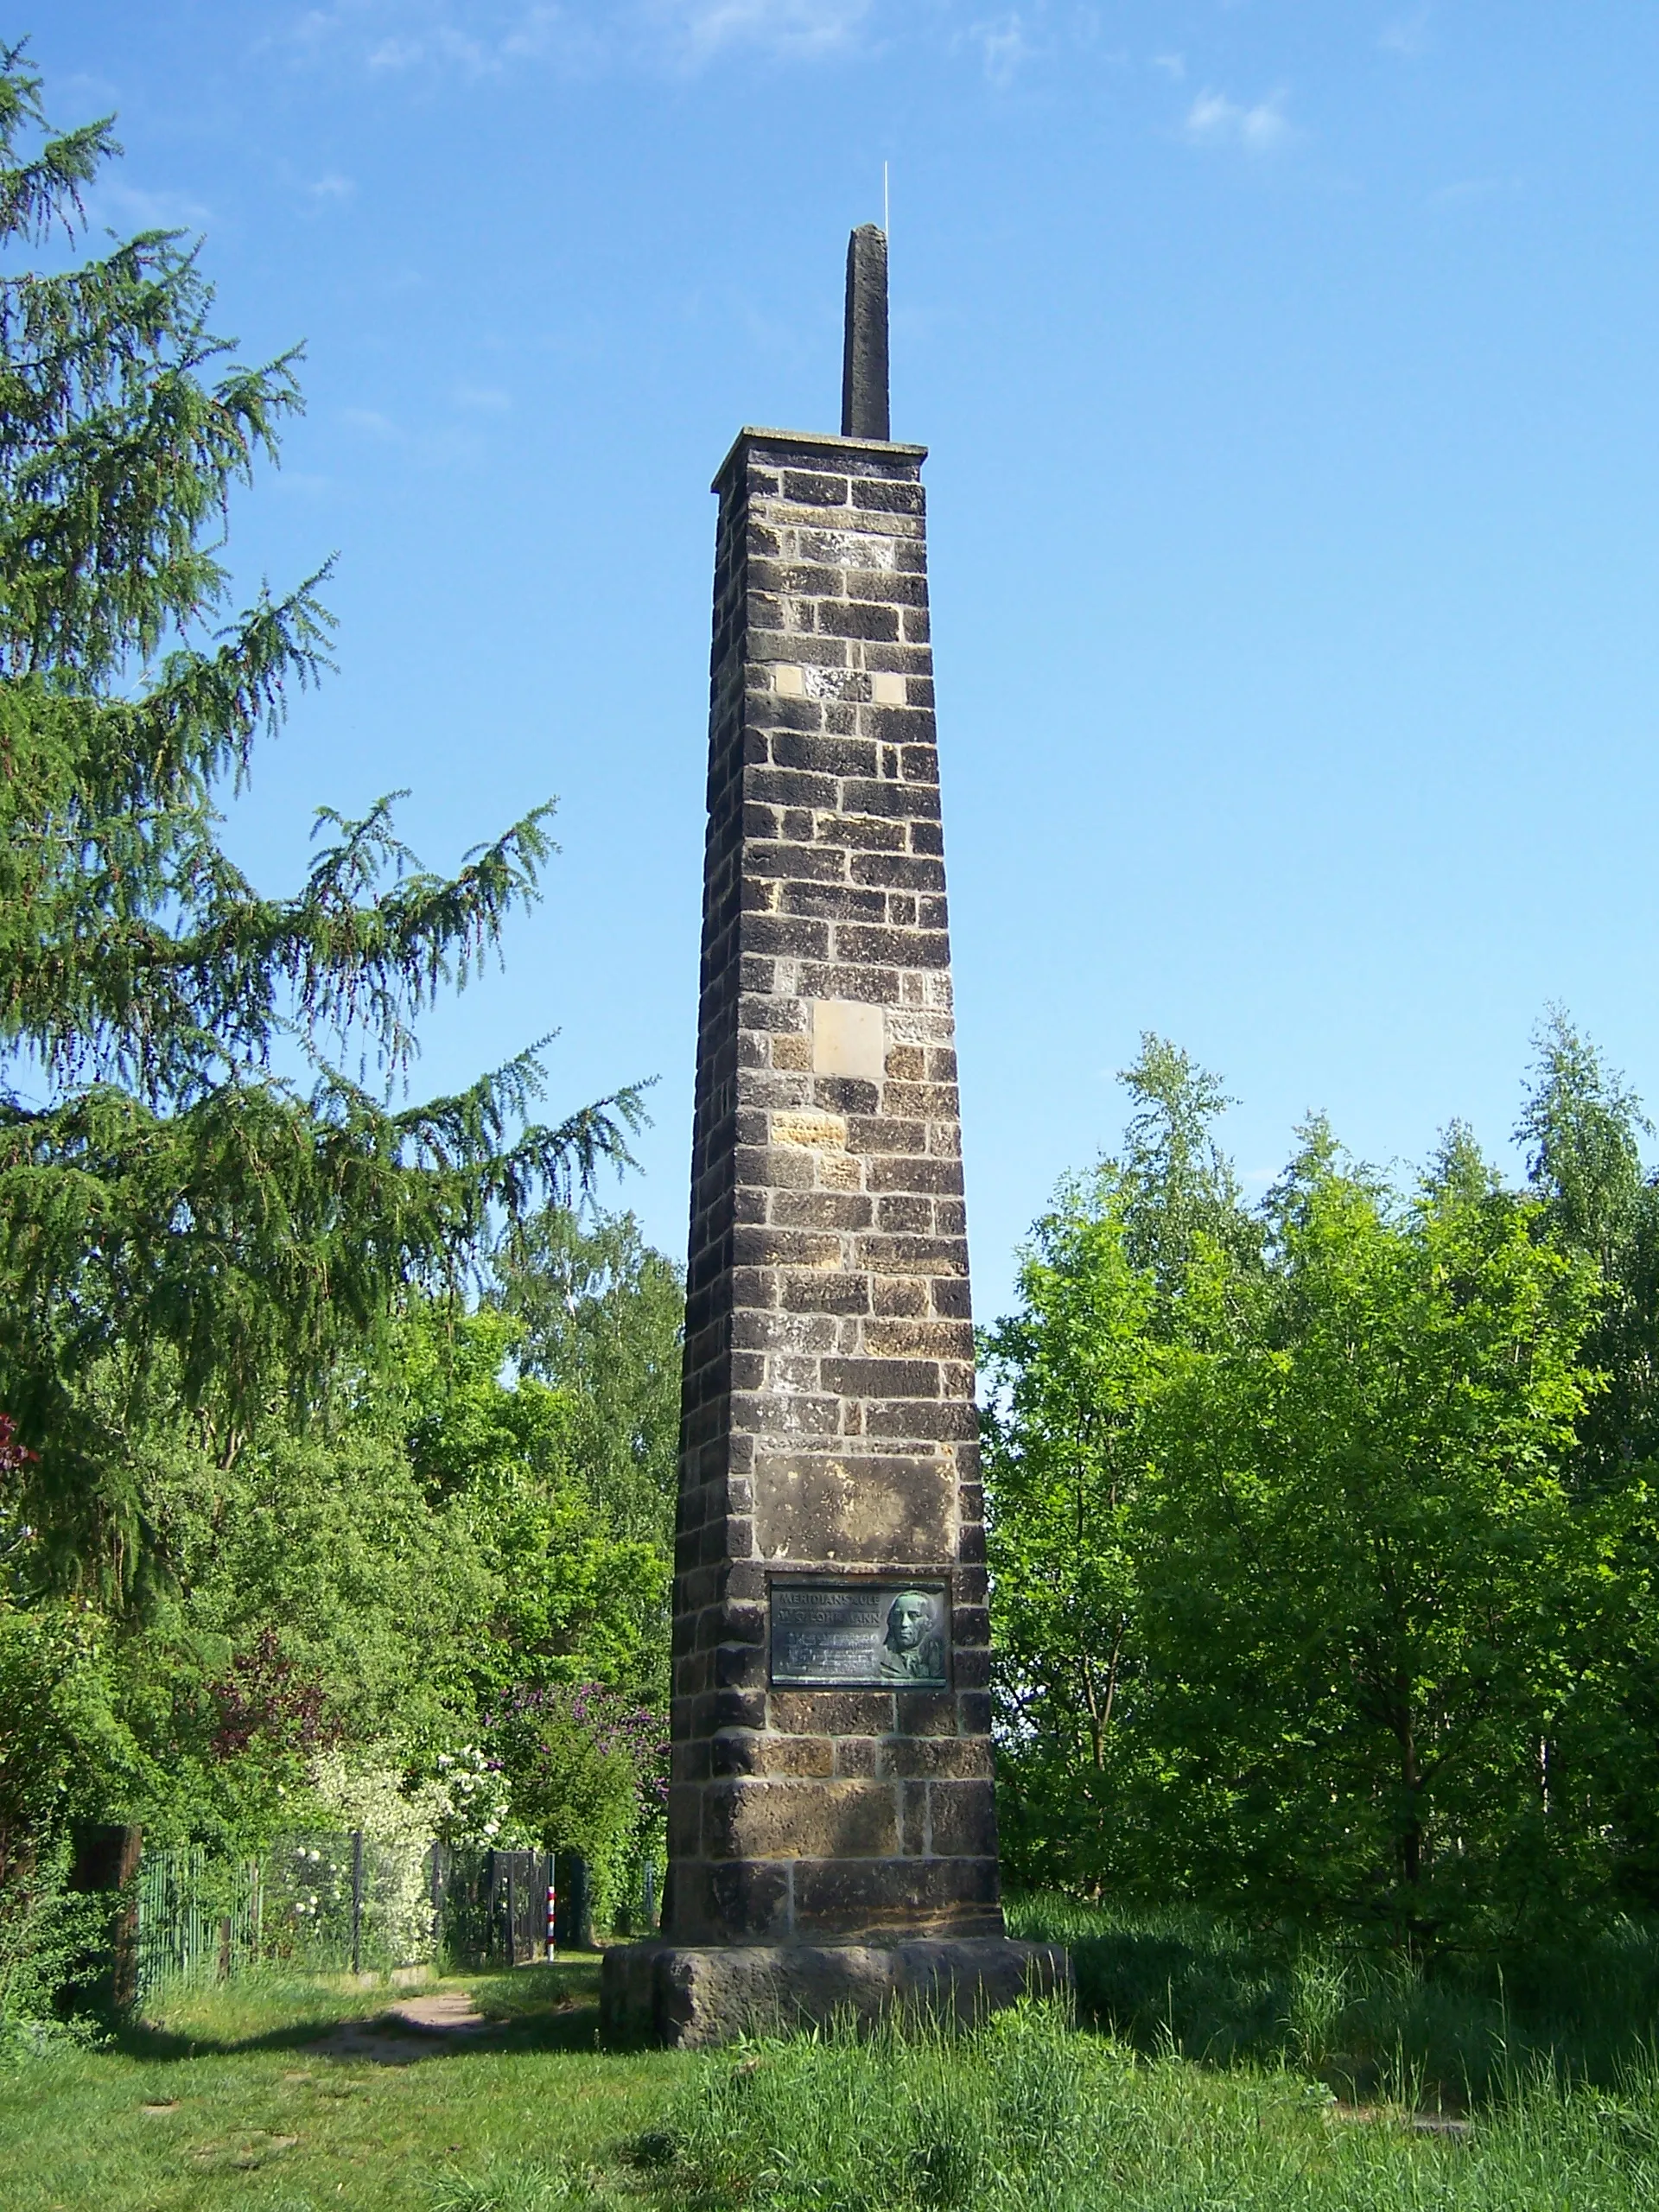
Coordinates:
column 696, row 1995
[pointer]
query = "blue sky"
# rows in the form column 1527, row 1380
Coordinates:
column 1290, row 371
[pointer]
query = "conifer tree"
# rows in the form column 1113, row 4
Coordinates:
column 196, row 1194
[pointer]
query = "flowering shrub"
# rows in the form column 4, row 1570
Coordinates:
column 13, row 1456
column 359, row 1791
column 308, row 1898
column 262, row 1695
column 475, row 1799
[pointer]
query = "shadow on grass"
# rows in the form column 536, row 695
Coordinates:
column 535, row 2008
column 1462, row 2031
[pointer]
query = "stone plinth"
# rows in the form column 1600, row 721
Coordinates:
column 665, row 1992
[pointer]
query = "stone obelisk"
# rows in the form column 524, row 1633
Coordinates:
column 832, row 1834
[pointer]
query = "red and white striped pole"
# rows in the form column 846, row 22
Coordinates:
column 552, row 1904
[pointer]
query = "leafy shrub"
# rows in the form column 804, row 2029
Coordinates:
column 47, row 1937
column 587, row 1774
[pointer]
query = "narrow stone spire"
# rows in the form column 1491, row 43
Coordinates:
column 864, row 364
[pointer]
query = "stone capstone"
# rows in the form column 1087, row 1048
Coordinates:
column 864, row 366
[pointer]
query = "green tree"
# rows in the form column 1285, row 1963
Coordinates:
column 1583, row 1127
column 601, row 1318
column 1363, row 1571
column 1105, row 1297
column 1180, row 1190
column 1306, row 1600
column 1072, row 1376
column 190, row 1180
column 577, row 1594
column 387, row 1582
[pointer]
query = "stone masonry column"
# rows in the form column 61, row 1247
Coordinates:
column 830, row 1428
column 832, row 1836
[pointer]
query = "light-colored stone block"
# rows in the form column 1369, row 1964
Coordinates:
column 850, row 1038
column 819, row 1132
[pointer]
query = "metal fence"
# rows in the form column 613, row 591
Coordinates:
column 492, row 1905
column 505, row 1908
column 318, row 1902
column 336, row 1902
column 197, row 1920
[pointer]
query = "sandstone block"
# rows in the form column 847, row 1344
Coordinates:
column 695, row 1997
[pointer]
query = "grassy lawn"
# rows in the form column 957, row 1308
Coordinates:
column 1212, row 2094
column 275, row 2096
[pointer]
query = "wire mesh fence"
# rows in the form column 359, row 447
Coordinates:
column 317, row 1903
column 338, row 1901
column 494, row 1905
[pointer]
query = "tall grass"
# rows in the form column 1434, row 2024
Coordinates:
column 1027, row 2115
column 1459, row 2032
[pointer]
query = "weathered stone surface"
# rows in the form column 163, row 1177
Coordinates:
column 864, row 367
column 828, row 1424
column 695, row 1996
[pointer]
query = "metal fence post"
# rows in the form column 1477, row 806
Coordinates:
column 357, row 1900
column 580, row 1934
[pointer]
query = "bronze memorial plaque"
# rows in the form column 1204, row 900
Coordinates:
column 859, row 1635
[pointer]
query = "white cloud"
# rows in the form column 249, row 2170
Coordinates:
column 547, row 33
column 1215, row 120
column 1407, row 35
column 483, row 398
column 700, row 28
column 371, row 423
column 426, row 446
column 483, row 38
column 1004, row 45
column 445, row 44
column 124, row 207
column 332, row 187
column 303, row 483
column 1470, row 188
column 468, row 38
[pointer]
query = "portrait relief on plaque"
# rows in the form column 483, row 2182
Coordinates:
column 856, row 1635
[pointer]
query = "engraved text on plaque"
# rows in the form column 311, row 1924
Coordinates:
column 859, row 1635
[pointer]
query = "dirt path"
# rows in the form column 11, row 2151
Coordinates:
column 413, row 2029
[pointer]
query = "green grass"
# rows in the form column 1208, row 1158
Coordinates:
column 1030, row 2116
column 1201, row 2081
column 1459, row 2035
column 234, row 2098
